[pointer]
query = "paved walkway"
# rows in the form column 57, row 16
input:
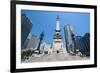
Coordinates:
column 54, row 57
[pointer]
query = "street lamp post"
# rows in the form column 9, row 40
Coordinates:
column 41, row 38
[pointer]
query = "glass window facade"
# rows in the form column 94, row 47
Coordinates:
column 26, row 27
column 83, row 44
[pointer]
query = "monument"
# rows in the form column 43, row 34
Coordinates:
column 57, row 45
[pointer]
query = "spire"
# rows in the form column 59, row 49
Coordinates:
column 57, row 24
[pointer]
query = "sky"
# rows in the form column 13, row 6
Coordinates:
column 45, row 21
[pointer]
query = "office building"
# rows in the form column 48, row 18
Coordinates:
column 83, row 44
column 69, row 39
column 26, row 27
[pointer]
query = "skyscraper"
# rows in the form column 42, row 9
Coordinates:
column 69, row 39
column 26, row 27
column 83, row 44
column 66, row 37
column 32, row 41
